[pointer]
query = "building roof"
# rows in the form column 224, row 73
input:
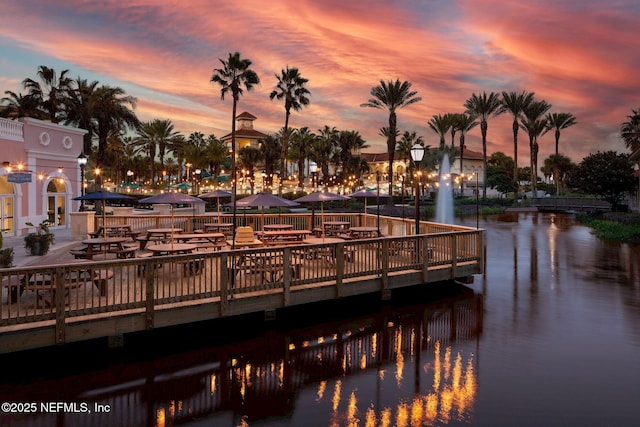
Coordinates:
column 375, row 157
column 246, row 133
column 246, row 116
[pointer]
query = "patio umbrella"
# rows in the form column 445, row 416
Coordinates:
column 261, row 200
column 217, row 194
column 172, row 199
column 104, row 195
column 321, row 196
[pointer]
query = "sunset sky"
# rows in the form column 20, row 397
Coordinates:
column 581, row 56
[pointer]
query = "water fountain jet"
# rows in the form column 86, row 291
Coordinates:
column 444, row 200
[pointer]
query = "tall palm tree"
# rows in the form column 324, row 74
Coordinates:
column 515, row 103
column 440, row 124
column 51, row 91
column 535, row 126
column 560, row 121
column 234, row 74
column 451, row 118
column 484, row 106
column 112, row 114
column 464, row 123
column 391, row 96
column 291, row 88
column 630, row 130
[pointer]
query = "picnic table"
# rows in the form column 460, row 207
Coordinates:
column 103, row 246
column 284, row 237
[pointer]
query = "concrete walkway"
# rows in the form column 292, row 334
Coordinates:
column 58, row 251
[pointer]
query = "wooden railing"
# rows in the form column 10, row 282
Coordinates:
column 145, row 286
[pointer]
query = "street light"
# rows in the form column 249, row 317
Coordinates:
column 417, row 153
column 378, row 202
column 82, row 163
column 196, row 178
column 313, row 168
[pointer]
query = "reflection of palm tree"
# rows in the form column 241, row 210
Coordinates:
column 515, row 104
column 484, row 106
column 391, row 96
column 630, row 130
column 291, row 88
column 559, row 121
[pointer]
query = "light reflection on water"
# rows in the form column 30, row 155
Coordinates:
column 548, row 336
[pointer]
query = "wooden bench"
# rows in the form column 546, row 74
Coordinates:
column 79, row 253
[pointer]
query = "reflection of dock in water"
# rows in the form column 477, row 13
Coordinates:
column 261, row 377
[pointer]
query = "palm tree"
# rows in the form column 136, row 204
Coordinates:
column 630, row 130
column 270, row 150
column 234, row 74
column 19, row 105
column 51, row 91
column 391, row 96
column 535, row 127
column 80, row 103
column 156, row 134
column 484, row 106
column 558, row 166
column 440, row 124
column 300, row 148
column 515, row 104
column 322, row 149
column 111, row 114
column 350, row 143
column 560, row 121
column 291, row 88
column 216, row 155
column 464, row 123
column 249, row 157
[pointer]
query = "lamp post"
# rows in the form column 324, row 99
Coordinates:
column 313, row 168
column 417, row 153
column 196, row 178
column 378, row 202
column 82, row 163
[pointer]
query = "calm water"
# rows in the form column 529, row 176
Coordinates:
column 549, row 336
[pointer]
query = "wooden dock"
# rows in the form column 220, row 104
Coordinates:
column 59, row 304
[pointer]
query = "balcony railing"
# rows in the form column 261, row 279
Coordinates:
column 11, row 130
